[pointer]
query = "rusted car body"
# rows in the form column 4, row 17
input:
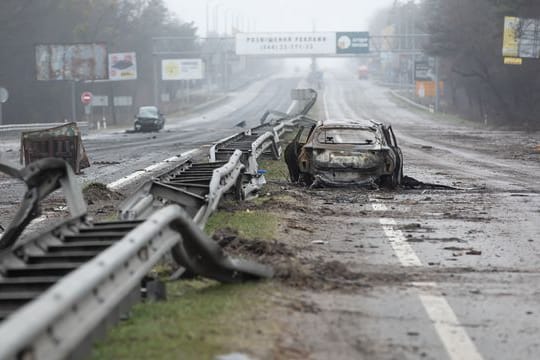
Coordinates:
column 345, row 152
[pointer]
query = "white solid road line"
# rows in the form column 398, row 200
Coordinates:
column 116, row 185
column 455, row 339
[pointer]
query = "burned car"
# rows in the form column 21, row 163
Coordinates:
column 148, row 118
column 346, row 152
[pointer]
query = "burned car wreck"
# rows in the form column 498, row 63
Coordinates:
column 344, row 153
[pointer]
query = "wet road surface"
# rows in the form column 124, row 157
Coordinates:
column 470, row 258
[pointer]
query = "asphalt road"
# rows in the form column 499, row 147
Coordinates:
column 471, row 255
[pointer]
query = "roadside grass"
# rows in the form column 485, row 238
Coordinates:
column 249, row 224
column 201, row 319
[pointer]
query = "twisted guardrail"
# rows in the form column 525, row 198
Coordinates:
column 61, row 289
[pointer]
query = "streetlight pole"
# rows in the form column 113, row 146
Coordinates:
column 215, row 15
column 208, row 3
column 226, row 17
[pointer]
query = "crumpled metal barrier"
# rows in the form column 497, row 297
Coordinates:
column 308, row 95
column 64, row 321
column 253, row 146
column 42, row 178
column 200, row 205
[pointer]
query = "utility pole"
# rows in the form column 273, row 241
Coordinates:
column 74, row 101
column 156, row 79
column 437, row 87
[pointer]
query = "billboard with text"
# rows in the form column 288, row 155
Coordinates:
column 521, row 37
column 302, row 43
column 123, row 66
column 316, row 43
column 182, row 69
column 71, row 62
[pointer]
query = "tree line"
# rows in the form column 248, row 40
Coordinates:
column 123, row 25
column 467, row 37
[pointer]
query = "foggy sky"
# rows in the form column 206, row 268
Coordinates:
column 282, row 15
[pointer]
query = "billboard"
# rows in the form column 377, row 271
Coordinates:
column 123, row 66
column 521, row 37
column 271, row 44
column 428, row 89
column 182, row 69
column 71, row 62
column 352, row 43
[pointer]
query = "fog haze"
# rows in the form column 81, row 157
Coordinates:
column 282, row 15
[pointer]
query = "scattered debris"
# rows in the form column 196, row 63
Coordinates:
column 456, row 248
column 410, row 227
column 473, row 252
column 468, row 251
column 410, row 183
column 304, row 306
column 319, row 242
column 63, row 142
column 106, row 163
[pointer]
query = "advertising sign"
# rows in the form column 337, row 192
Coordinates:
column 314, row 43
column 4, row 95
column 423, row 71
column 513, row 61
column 182, row 69
column 352, row 43
column 123, row 66
column 71, row 62
column 521, row 38
column 427, row 88
column 100, row 101
column 123, row 101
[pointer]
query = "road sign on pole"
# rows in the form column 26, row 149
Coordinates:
column 4, row 96
column 86, row 98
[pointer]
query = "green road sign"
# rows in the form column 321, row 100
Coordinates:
column 352, row 42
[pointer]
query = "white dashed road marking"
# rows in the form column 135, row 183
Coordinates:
column 455, row 339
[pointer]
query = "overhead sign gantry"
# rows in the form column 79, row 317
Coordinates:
column 302, row 43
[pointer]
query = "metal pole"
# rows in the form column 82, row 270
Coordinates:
column 156, row 81
column 73, row 101
column 437, row 88
column 1, row 113
column 207, row 18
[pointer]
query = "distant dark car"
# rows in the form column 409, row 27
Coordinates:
column 347, row 152
column 149, row 118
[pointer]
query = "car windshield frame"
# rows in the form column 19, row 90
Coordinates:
column 148, row 112
column 346, row 136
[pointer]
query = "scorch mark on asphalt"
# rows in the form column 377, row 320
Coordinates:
column 455, row 339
